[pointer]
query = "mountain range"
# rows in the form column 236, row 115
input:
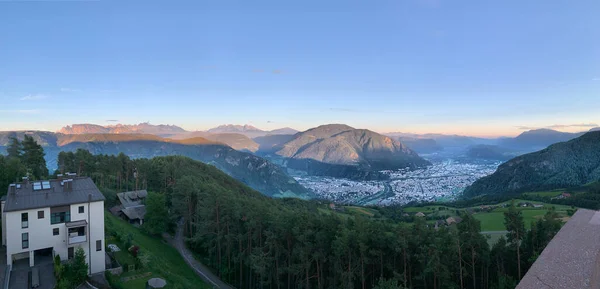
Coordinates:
column 248, row 168
column 526, row 142
column 143, row 128
column 250, row 131
column 238, row 137
column 561, row 165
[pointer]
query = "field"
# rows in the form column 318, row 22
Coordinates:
column 360, row 210
column 553, row 193
column 494, row 219
column 163, row 260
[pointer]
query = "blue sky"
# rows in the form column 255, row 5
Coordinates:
column 469, row 67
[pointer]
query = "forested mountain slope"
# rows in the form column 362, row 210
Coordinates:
column 252, row 241
column 561, row 165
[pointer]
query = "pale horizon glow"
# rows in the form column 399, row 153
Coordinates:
column 475, row 68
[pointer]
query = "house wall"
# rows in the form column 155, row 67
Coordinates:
column 3, row 223
column 41, row 233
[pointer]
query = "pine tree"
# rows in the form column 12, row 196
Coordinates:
column 15, row 148
column 155, row 221
column 33, row 158
column 513, row 220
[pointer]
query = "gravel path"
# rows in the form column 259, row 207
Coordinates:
column 201, row 270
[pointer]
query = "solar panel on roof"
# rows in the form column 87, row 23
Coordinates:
column 37, row 186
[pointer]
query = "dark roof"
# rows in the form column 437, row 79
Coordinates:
column 571, row 259
column 26, row 197
column 133, row 198
column 135, row 213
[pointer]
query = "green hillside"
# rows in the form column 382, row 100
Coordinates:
column 562, row 165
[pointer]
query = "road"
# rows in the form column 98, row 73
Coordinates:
column 201, row 270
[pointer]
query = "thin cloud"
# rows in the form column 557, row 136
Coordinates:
column 66, row 89
column 112, row 120
column 268, row 121
column 21, row 111
column 596, row 79
column 520, row 127
column 33, row 97
column 258, row 70
column 557, row 126
column 277, row 71
column 560, row 126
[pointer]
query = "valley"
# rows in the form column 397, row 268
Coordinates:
column 444, row 180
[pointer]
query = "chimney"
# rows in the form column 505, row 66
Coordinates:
column 68, row 185
column 12, row 188
column 26, row 181
column 59, row 177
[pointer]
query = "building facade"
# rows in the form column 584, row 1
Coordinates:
column 54, row 217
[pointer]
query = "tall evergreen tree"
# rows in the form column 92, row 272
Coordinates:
column 15, row 148
column 513, row 220
column 33, row 158
column 11, row 170
column 155, row 220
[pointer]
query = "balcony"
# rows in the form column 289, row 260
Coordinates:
column 76, row 232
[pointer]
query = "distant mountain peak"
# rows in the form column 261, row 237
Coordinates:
column 143, row 128
column 234, row 128
column 340, row 144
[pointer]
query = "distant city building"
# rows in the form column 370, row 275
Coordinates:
column 54, row 217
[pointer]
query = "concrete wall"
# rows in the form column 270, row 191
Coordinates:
column 41, row 233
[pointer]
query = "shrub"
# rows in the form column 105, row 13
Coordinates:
column 77, row 269
column 58, row 267
column 134, row 250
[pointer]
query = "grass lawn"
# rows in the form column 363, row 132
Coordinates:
column 494, row 221
column 164, row 260
column 360, row 210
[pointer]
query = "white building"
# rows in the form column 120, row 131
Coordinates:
column 56, row 216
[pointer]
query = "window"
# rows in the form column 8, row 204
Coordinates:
column 60, row 215
column 81, row 210
column 24, row 220
column 79, row 231
column 40, row 214
column 55, row 232
column 25, row 240
column 71, row 253
column 99, row 245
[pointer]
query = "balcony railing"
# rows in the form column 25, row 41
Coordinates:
column 77, row 239
column 77, row 232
